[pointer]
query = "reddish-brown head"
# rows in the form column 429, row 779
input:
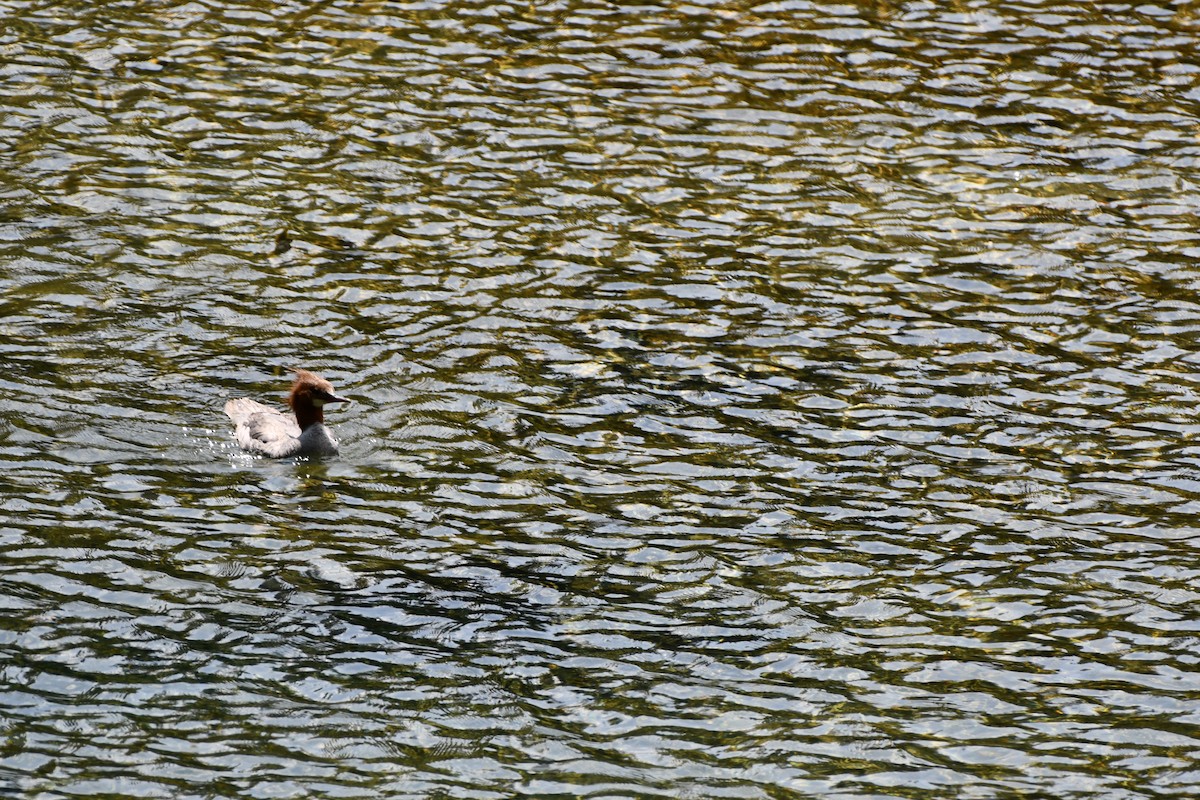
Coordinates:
column 310, row 393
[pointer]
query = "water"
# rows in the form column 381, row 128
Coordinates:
column 752, row 400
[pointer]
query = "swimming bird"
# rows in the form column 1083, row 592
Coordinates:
column 263, row 430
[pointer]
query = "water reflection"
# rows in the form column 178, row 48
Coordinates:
column 759, row 400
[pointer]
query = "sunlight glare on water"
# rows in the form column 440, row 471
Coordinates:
column 755, row 400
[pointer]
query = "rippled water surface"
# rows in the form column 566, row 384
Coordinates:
column 753, row 400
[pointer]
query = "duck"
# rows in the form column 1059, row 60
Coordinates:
column 265, row 431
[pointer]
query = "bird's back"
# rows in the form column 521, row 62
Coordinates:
column 262, row 429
